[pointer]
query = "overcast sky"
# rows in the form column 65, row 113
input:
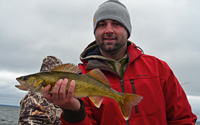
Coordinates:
column 32, row 30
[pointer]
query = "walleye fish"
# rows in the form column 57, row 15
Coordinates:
column 94, row 85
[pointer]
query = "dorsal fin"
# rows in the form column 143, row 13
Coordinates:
column 67, row 68
column 98, row 75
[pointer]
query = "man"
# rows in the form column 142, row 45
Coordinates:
column 128, row 70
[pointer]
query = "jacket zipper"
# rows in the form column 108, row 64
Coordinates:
column 134, row 92
column 123, row 90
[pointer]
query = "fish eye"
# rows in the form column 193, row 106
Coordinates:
column 25, row 78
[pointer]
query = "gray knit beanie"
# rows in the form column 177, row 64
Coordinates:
column 114, row 10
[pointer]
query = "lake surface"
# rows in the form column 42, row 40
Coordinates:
column 9, row 115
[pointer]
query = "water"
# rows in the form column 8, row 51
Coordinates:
column 9, row 115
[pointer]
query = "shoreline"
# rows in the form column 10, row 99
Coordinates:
column 9, row 105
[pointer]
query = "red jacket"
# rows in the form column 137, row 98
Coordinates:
column 164, row 101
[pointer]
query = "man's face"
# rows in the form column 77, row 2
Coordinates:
column 111, row 36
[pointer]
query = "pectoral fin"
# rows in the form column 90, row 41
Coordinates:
column 96, row 100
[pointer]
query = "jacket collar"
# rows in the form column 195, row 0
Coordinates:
column 93, row 57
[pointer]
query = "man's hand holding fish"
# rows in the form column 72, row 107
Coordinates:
column 59, row 96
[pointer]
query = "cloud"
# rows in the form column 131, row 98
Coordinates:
column 169, row 30
column 195, row 102
column 32, row 30
column 10, row 95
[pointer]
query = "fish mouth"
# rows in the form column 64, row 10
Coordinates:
column 23, row 86
column 20, row 81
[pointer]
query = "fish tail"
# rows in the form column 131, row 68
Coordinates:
column 127, row 103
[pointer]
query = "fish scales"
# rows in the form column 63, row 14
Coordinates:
column 85, row 86
column 93, row 84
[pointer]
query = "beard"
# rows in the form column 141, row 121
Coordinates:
column 111, row 47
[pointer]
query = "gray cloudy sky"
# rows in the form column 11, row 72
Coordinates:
column 31, row 30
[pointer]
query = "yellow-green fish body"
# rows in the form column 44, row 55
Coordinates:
column 94, row 84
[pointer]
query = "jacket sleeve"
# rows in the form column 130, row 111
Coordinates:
column 81, row 117
column 36, row 110
column 178, row 109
